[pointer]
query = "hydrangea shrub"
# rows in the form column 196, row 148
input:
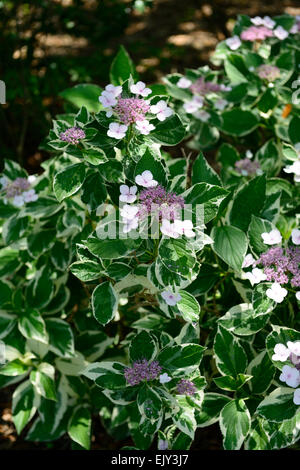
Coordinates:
column 155, row 293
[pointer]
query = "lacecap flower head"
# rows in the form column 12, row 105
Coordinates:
column 132, row 109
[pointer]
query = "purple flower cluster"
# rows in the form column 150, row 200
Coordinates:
column 247, row 167
column 72, row 135
column 282, row 265
column 268, row 72
column 256, row 33
column 168, row 205
column 17, row 187
column 185, row 387
column 131, row 110
column 201, row 87
column 142, row 370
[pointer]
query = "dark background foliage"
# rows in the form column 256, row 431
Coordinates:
column 49, row 45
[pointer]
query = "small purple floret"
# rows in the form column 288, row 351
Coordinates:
column 72, row 135
column 142, row 370
column 185, row 387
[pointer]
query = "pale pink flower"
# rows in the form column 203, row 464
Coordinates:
column 164, row 378
column 146, row 179
column 170, row 298
column 168, row 228
column 282, row 353
column 294, row 347
column 296, row 398
column 107, row 99
column 271, row 238
column 114, row 90
column 162, row 110
column 296, row 236
column 184, row 83
column 140, row 89
column 233, row 43
column 184, row 227
column 291, row 376
column 280, row 33
column 256, row 276
column 248, row 261
column 30, row 195
column 18, row 201
column 130, row 224
column 117, row 131
column 129, row 212
column 276, row 292
column 192, row 106
column 145, row 127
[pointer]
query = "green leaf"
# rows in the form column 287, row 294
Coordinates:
column 9, row 261
column 61, row 340
column 235, row 69
column 262, row 371
column 14, row 228
column 93, row 191
column 104, row 303
column 32, row 326
column 121, row 68
column 142, row 346
column 168, row 132
column 294, row 128
column 84, row 94
column 44, row 206
column 68, row 181
column 280, row 334
column 41, row 241
column 94, row 157
column 150, row 407
column 53, row 417
column 243, row 320
column 110, row 248
column 238, row 122
column 61, row 255
column 24, row 405
column 235, row 424
column 42, row 379
column 188, row 307
column 39, row 291
column 211, row 407
column 79, row 427
column 86, row 270
column 279, row 405
column 14, row 368
column 109, row 375
column 148, row 162
column 176, row 256
column 7, row 322
column 178, row 357
column 227, row 382
column 209, row 195
column 256, row 228
column 5, row 294
column 230, row 356
column 230, row 244
column 248, row 201
column 203, row 173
